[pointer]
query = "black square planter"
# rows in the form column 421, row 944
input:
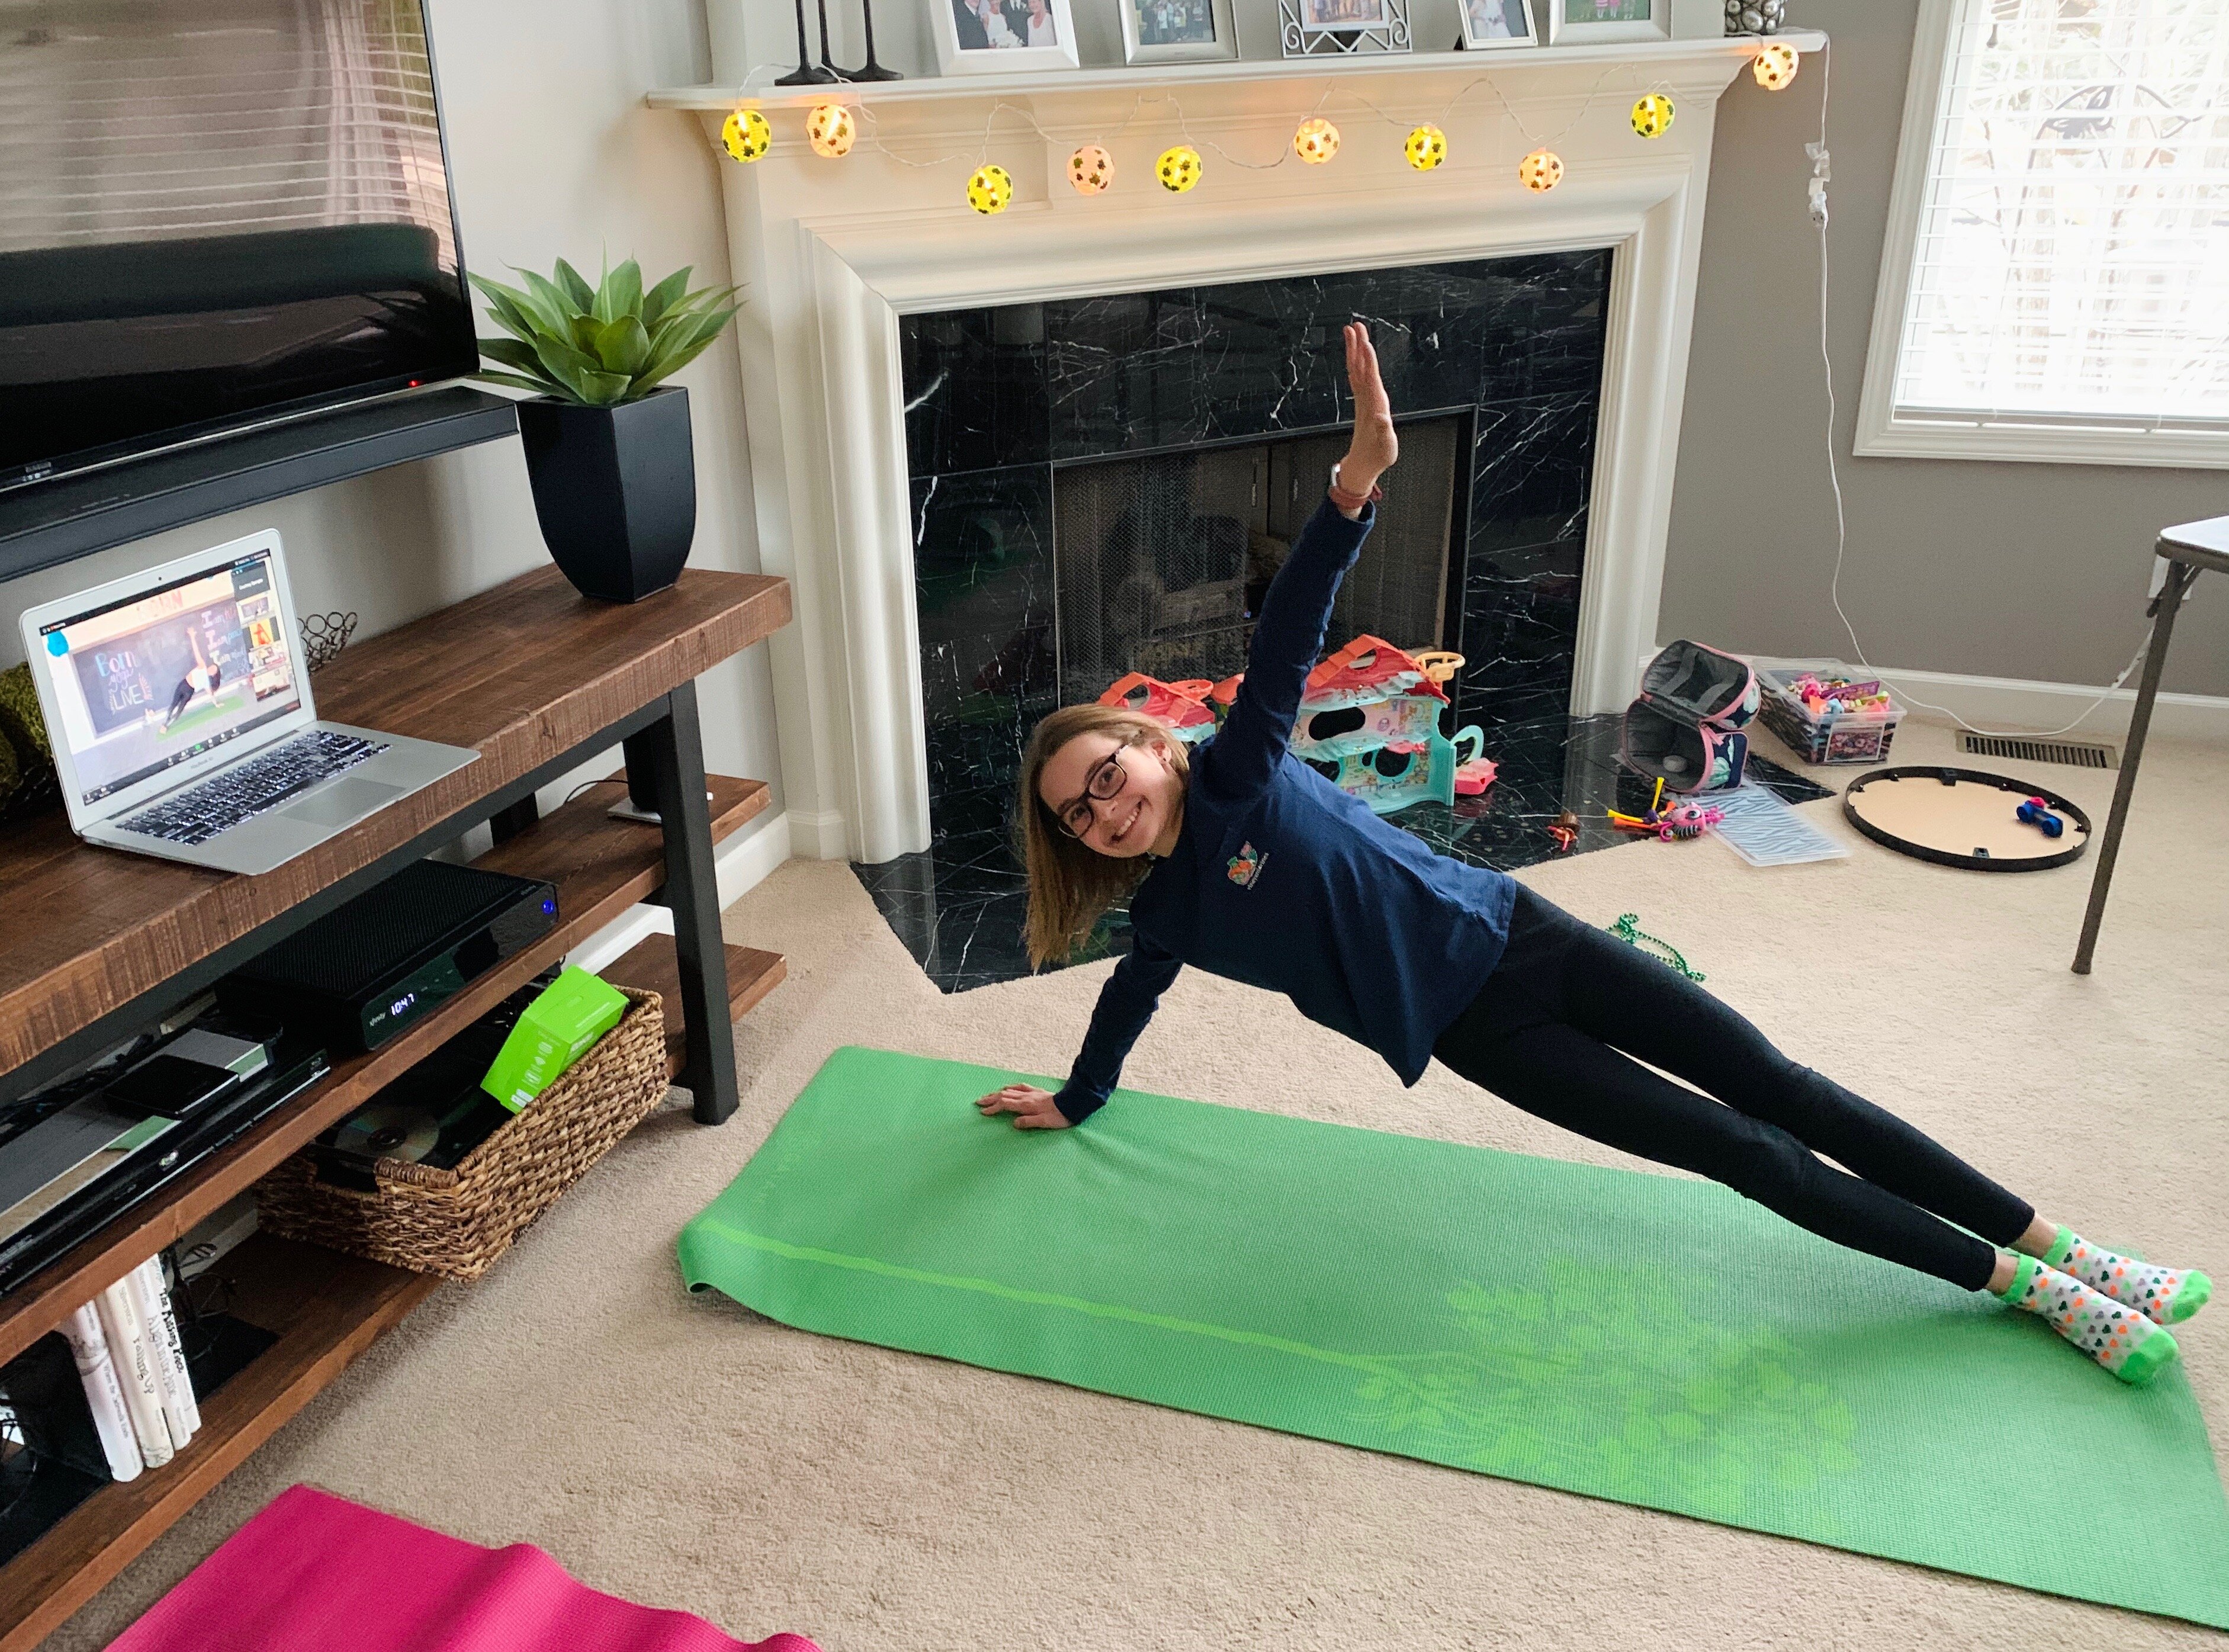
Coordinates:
column 615, row 491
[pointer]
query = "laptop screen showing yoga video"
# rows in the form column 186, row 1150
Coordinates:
column 146, row 683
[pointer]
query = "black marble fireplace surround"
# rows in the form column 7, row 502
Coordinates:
column 999, row 402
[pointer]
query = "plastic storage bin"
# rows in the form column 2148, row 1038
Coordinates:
column 1861, row 736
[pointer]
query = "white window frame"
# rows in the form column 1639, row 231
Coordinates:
column 1881, row 434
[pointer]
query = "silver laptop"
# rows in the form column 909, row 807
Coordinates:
column 182, row 724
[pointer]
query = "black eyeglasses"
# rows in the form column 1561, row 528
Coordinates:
column 1106, row 781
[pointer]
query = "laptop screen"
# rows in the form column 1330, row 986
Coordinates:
column 150, row 682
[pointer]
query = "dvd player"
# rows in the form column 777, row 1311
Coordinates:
column 363, row 972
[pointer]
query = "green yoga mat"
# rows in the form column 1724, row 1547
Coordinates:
column 1637, row 1337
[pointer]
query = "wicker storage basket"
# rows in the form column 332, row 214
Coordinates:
column 456, row 1223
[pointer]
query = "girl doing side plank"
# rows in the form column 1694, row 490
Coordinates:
column 1259, row 869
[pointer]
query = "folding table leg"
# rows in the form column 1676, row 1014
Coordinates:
column 2180, row 578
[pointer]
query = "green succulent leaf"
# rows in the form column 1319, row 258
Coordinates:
column 664, row 295
column 623, row 346
column 520, row 381
column 577, row 292
column 599, row 345
column 621, row 294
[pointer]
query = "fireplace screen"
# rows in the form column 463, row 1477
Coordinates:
column 1161, row 562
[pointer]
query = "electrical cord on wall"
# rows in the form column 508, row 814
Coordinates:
column 1818, row 189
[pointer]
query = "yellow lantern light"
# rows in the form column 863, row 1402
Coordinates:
column 1178, row 169
column 1316, row 141
column 1542, row 170
column 746, row 135
column 832, row 130
column 1091, row 169
column 1652, row 115
column 1775, row 65
column 990, row 188
column 1426, row 148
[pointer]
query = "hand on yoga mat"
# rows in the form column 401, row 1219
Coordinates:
column 1033, row 1108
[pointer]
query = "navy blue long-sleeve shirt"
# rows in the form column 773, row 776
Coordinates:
column 1282, row 880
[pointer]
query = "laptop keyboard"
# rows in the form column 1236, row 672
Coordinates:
column 255, row 788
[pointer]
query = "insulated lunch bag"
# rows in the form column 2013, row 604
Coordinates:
column 1684, row 728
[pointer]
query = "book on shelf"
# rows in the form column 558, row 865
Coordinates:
column 134, row 1355
column 104, row 1392
column 171, row 1377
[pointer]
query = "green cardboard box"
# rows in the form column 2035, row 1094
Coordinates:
column 556, row 1031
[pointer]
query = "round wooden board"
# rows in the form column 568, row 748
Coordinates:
column 1962, row 817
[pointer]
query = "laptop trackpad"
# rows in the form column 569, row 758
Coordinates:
column 345, row 801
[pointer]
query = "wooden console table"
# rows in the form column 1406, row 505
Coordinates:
column 98, row 945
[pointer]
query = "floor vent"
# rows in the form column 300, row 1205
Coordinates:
column 2075, row 753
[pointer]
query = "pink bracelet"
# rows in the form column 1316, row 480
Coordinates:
column 1346, row 500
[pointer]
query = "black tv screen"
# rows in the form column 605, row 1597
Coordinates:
column 213, row 213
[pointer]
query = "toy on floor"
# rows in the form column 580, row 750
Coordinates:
column 1681, row 820
column 1627, row 928
column 1565, row 832
column 1183, row 714
column 1473, row 777
column 2037, row 813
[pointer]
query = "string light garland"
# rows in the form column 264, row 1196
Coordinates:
column 1316, row 141
column 1651, row 114
column 1091, row 169
column 990, row 190
column 1775, row 65
column 832, row 130
column 746, row 135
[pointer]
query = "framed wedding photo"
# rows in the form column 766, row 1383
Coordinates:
column 1002, row 36
column 1178, row 31
column 1489, row 25
column 1590, row 22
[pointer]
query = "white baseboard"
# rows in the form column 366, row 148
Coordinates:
column 2018, row 705
column 744, row 860
column 822, row 836
column 2024, row 705
column 737, row 865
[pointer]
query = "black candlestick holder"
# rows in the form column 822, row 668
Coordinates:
column 872, row 70
column 808, row 72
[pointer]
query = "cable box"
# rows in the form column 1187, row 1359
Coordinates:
column 363, row 972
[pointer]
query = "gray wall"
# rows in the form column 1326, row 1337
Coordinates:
column 552, row 154
column 1997, row 569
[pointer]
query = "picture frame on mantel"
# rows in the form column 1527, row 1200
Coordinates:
column 1342, row 27
column 1178, row 31
column 1597, row 23
column 1496, row 25
column 1002, row 36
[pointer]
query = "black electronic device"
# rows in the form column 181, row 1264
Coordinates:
column 434, row 1113
column 363, row 972
column 308, row 258
column 164, row 1155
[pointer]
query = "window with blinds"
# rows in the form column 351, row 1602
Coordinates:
column 2070, row 260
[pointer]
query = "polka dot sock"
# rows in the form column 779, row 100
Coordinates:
column 2167, row 1295
column 2117, row 1337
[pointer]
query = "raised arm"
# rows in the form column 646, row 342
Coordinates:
column 1289, row 633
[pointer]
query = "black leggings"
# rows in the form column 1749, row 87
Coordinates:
column 1546, row 1033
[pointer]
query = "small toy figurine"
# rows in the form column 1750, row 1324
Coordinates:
column 1681, row 820
column 2037, row 813
column 1565, row 832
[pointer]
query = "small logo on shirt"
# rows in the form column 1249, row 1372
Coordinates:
column 1246, row 866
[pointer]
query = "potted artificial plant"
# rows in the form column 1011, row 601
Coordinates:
column 607, row 441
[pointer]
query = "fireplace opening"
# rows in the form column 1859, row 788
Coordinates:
column 1160, row 561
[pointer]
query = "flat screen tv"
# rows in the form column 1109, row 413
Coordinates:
column 214, row 212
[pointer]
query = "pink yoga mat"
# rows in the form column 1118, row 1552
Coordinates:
column 317, row 1573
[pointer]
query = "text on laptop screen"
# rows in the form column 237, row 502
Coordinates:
column 152, row 681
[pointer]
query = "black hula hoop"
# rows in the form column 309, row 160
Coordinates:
column 2020, row 788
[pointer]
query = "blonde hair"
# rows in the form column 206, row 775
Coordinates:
column 1071, row 883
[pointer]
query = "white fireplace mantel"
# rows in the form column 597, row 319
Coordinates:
column 830, row 253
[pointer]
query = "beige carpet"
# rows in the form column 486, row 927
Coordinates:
column 683, row 1452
